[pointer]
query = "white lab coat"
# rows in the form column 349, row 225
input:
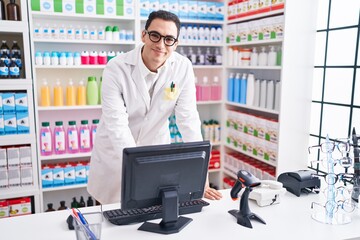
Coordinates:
column 130, row 119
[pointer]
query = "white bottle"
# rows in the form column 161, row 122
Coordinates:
column 55, row 32
column 182, row 51
column 62, row 32
column 230, row 56
column 206, row 35
column 250, row 89
column 38, row 58
column 86, row 33
column 189, row 38
column 208, row 57
column 195, row 34
column 183, row 37
column 69, row 59
column 54, row 59
column 62, row 59
column 78, row 33
column 213, row 35
column 272, row 56
column 254, row 57
column 201, row 39
column 192, row 55
column 101, row 33
column 38, row 31
column 263, row 57
column 236, row 57
column 46, row 32
column 218, row 57
column 93, row 33
column 219, row 35
column 270, row 95
column 277, row 96
column 257, row 93
column 47, row 59
column 263, row 91
column 70, row 33
column 200, row 57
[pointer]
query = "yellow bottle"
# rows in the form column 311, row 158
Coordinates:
column 45, row 94
column 58, row 94
column 81, row 94
column 70, row 94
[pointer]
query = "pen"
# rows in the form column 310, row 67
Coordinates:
column 82, row 223
column 172, row 86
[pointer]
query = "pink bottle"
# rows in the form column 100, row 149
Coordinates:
column 94, row 125
column 84, row 137
column 45, row 139
column 85, row 58
column 102, row 57
column 205, row 90
column 215, row 89
column 72, row 138
column 59, row 138
column 93, row 59
column 198, row 90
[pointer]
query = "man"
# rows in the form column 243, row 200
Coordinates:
column 140, row 90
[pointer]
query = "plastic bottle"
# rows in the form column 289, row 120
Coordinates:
column 250, row 89
column 69, row 59
column 77, row 59
column 15, row 49
column 86, row 33
column 45, row 94
column 271, row 57
column 200, row 57
column 2, row 10
column 115, row 33
column 219, row 35
column 54, row 59
column 62, row 206
column 256, row 93
column 254, row 57
column 230, row 87
column 270, row 94
column 95, row 123
column 277, row 95
column 81, row 94
column 263, row 91
column 62, row 59
column 217, row 57
column 70, row 94
column 38, row 31
column 100, row 85
column 92, row 91
column 93, row 33
column 205, row 89
column 46, row 34
column 209, row 58
column 189, row 38
column 108, row 33
column 47, row 59
column 215, row 89
column 4, row 48
column 93, row 57
column 62, row 32
column 78, row 33
column 110, row 55
column 50, row 208
column 243, row 88
column 101, row 33
column 84, row 136
column 38, row 58
column 278, row 56
column 201, row 38
column 4, row 69
column 70, row 33
column 237, row 87
column 85, row 57
column 13, row 11
column 182, row 36
column 72, row 138
column 198, row 90
column 14, row 70
column 59, row 138
column 102, row 57
column 58, row 94
column 262, row 57
column 195, row 34
column 213, row 35
column 230, row 57
column 55, row 32
column 45, row 139
column 206, row 35
column 192, row 55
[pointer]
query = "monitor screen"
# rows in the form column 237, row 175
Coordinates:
column 164, row 174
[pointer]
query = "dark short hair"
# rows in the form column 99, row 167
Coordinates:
column 165, row 15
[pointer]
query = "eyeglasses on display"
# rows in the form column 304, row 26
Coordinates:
column 155, row 37
column 333, row 206
column 345, row 162
column 332, row 178
column 329, row 147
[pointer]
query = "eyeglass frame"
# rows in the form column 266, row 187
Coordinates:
column 332, row 204
column 348, row 145
column 161, row 37
column 336, row 176
column 336, row 161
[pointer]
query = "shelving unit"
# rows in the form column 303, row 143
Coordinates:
column 19, row 31
column 295, row 75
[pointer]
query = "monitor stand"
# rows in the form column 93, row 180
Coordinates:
column 171, row 222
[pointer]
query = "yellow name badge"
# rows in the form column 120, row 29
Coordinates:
column 170, row 93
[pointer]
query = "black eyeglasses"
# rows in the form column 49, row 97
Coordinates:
column 156, row 37
column 332, row 178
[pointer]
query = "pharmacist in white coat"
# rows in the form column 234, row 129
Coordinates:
column 140, row 90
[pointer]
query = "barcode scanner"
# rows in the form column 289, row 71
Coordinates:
column 244, row 215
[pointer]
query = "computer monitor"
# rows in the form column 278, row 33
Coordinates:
column 167, row 175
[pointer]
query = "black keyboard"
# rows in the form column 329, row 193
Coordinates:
column 123, row 217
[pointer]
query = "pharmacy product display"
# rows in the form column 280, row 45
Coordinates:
column 19, row 193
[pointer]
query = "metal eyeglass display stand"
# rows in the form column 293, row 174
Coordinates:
column 329, row 215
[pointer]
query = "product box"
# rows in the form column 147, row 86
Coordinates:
column 128, row 8
column 80, row 173
column 69, row 174
column 14, row 177
column 1, row 104
column 10, row 126
column 211, row 10
column 202, row 10
column 47, row 176
column 8, row 103
column 164, row 5
column 193, row 12
column 13, row 156
column 22, row 122
column 4, row 179
column 183, row 9
column 26, row 176
column 4, row 209
column 153, row 5
column 19, row 206
column 21, row 102
column 144, row 8
column 68, row 6
column 174, row 6
column 3, row 158
column 58, row 176
column 42, row 5
column 87, row 167
column 25, row 156
column 106, row 7
column 2, row 126
column 220, row 11
column 89, row 7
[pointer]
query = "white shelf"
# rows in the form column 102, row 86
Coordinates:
column 217, row 170
column 253, row 108
column 207, row 66
column 208, row 102
column 256, row 16
column 67, row 108
column 196, row 21
column 13, row 27
column 102, row 42
column 15, row 84
column 201, row 44
column 77, row 17
column 250, row 155
column 62, row 188
column 278, row 68
column 16, row 139
column 18, row 192
column 97, row 66
column 64, row 156
column 251, row 43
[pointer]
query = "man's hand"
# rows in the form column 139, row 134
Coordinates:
column 212, row 194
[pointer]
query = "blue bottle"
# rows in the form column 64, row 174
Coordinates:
column 237, row 88
column 230, row 90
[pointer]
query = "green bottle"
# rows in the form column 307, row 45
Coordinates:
column 92, row 91
column 100, row 90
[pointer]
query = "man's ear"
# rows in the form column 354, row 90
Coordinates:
column 143, row 34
